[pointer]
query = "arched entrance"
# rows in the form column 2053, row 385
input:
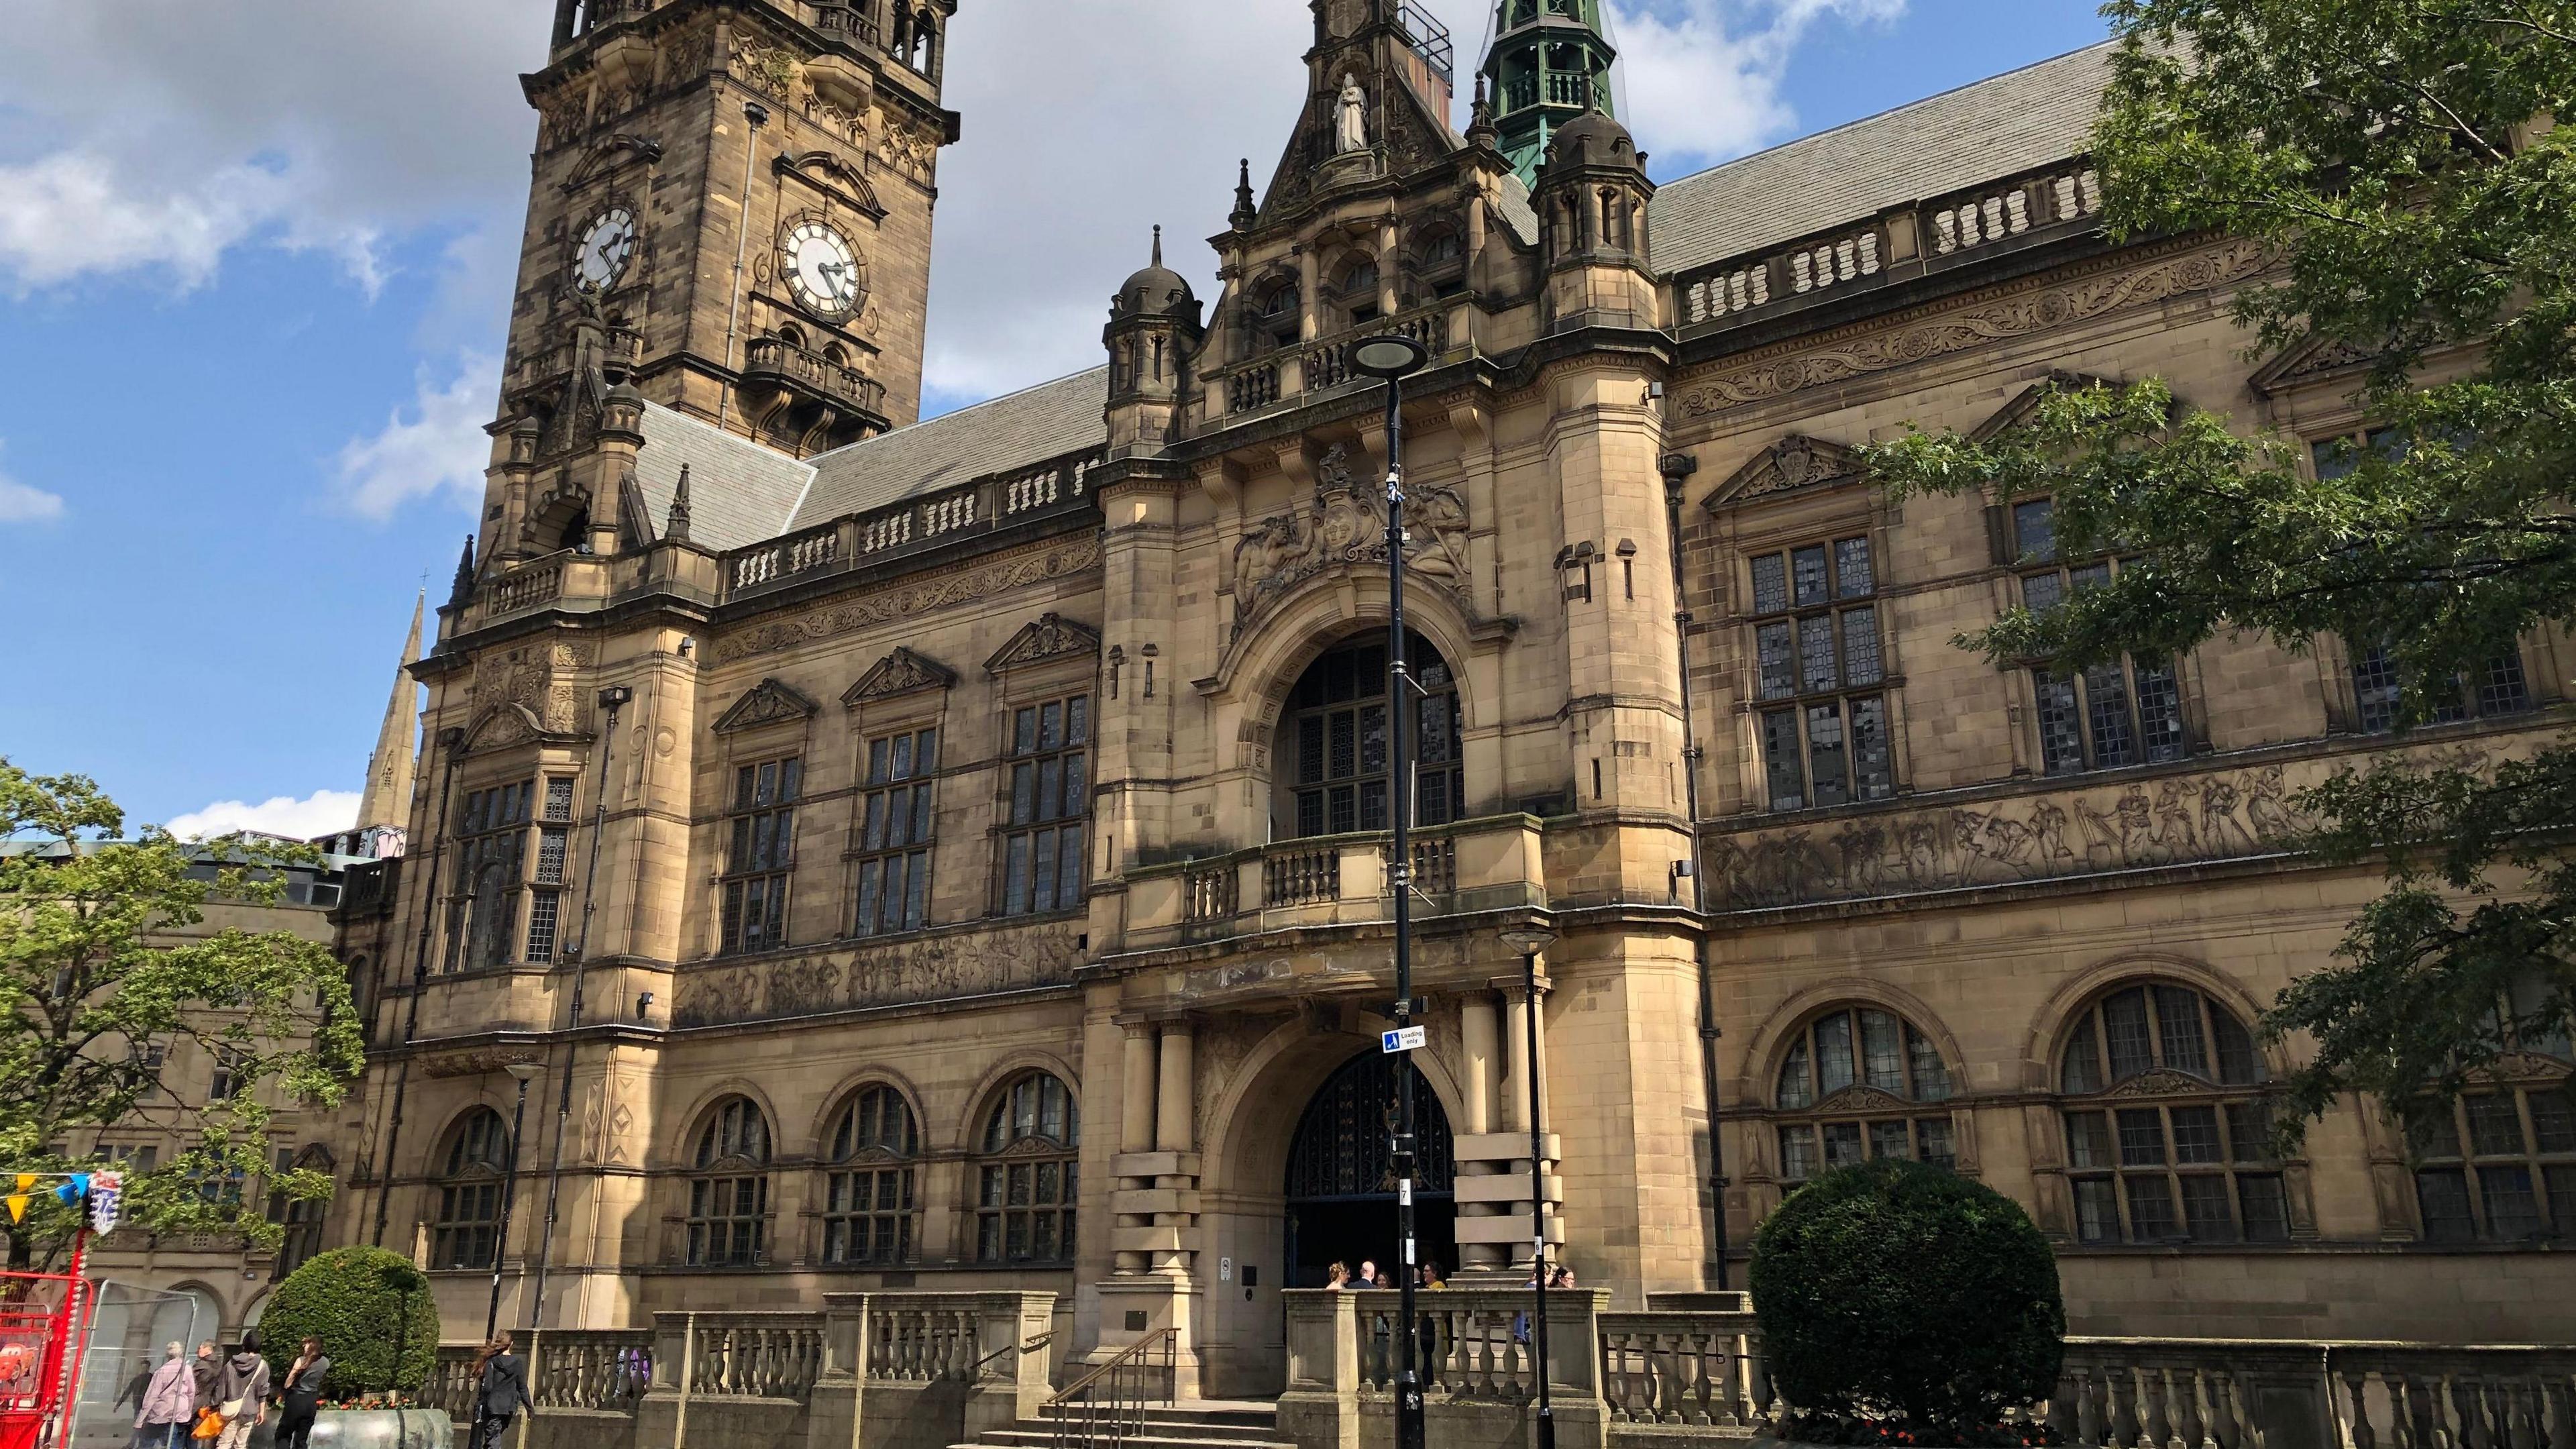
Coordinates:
column 1341, row 1176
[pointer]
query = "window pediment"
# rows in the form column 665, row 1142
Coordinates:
column 769, row 702
column 1866, row 1099
column 1043, row 640
column 1793, row 464
column 899, row 673
column 2013, row 414
column 2162, row 1084
column 2315, row 359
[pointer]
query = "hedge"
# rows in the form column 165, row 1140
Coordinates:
column 353, row 1299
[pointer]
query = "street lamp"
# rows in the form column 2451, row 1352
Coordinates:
column 1393, row 357
column 1530, row 941
column 523, row 1073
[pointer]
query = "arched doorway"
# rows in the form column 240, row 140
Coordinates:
column 1341, row 1176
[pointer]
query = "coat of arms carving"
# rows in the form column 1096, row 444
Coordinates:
column 1339, row 528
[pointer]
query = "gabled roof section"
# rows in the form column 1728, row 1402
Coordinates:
column 1793, row 464
column 1049, row 636
column 739, row 491
column 1979, row 132
column 768, row 702
column 900, row 672
column 1030, row 426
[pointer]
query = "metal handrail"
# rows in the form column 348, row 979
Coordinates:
column 1107, row 1405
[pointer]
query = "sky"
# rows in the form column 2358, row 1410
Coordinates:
column 255, row 262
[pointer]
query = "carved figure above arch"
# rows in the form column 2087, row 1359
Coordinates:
column 1340, row 527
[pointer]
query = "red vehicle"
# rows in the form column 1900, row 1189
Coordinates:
column 40, row 1318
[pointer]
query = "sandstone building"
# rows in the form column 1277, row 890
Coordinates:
column 953, row 853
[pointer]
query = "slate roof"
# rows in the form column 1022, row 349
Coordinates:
column 739, row 491
column 1980, row 132
column 1028, row 426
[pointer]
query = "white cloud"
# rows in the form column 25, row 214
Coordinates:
column 320, row 813
column 1703, row 76
column 435, row 447
column 25, row 503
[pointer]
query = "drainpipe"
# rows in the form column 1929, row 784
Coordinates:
column 1677, row 467
column 450, row 741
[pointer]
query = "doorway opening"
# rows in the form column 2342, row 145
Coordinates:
column 1341, row 1175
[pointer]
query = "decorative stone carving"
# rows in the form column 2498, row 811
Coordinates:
column 909, row 600
column 1793, row 463
column 2307, row 361
column 901, row 672
column 904, row 973
column 769, row 69
column 2172, row 820
column 769, row 702
column 476, row 1063
column 1799, row 366
column 1340, row 529
column 908, row 152
column 1350, row 118
column 1050, row 636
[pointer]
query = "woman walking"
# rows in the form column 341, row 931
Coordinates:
column 303, row 1391
column 501, row 1389
column 169, row 1406
column 241, row 1393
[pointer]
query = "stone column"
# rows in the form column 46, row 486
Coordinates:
column 1478, row 1028
column 1135, row 1128
column 1173, row 1138
column 1307, row 326
column 1390, row 267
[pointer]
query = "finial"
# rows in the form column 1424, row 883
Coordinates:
column 1244, row 211
column 1158, row 246
column 464, row 588
column 1480, row 118
column 676, row 530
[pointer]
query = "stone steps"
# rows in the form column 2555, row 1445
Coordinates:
column 1179, row 1426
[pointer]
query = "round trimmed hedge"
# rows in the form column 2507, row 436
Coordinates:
column 1894, row 1295
column 354, row 1300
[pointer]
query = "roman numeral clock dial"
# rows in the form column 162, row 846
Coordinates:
column 606, row 246
column 823, row 270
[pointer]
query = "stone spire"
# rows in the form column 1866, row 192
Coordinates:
column 387, row 801
column 1245, row 213
column 464, row 588
column 676, row 528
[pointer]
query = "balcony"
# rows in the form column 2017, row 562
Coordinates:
column 811, row 375
column 916, row 524
column 846, row 24
column 1491, row 864
column 547, row 367
column 1312, row 367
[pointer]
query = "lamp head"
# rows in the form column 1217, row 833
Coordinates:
column 525, row 1072
column 1390, row 356
column 1529, row 940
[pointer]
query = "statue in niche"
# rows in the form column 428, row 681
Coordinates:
column 1350, row 118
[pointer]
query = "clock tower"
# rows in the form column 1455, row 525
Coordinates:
column 731, row 210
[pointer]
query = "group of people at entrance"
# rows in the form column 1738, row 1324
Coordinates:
column 222, row 1398
column 1339, row 1275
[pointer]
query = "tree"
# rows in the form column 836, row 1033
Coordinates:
column 368, row 1306
column 1892, row 1291
column 97, row 988
column 2399, row 158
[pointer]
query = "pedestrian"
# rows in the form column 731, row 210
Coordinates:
column 206, row 1369
column 169, row 1402
column 241, row 1393
column 303, row 1393
column 1560, row 1276
column 1368, row 1275
column 501, row 1388
column 1432, row 1277
column 1338, row 1276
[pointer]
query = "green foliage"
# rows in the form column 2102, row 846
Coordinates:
column 1895, row 1291
column 103, row 954
column 2399, row 160
column 355, row 1301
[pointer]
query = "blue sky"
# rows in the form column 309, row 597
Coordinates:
column 249, row 326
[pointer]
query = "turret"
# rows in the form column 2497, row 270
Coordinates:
column 1592, row 198
column 1551, row 63
column 1153, row 326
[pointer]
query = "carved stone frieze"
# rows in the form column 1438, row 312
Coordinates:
column 1340, row 528
column 477, row 1063
column 768, row 702
column 906, row 600
column 905, row 973
column 2172, row 820
column 1878, row 349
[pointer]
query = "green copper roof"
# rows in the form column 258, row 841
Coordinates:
column 1550, row 61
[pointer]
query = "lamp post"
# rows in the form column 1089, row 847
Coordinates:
column 1393, row 357
column 523, row 1073
column 1530, row 941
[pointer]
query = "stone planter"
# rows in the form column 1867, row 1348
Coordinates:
column 382, row 1429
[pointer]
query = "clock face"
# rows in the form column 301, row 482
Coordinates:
column 607, row 244
column 822, row 270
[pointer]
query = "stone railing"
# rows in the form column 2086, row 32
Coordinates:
column 1694, row 1369
column 550, row 364
column 864, row 539
column 1487, row 864
column 1325, row 361
column 1895, row 244
column 451, row 1381
column 526, row 588
column 754, row 1355
column 778, row 359
column 847, row 24
column 600, row 1369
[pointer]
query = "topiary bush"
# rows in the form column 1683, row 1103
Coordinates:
column 1902, row 1303
column 355, row 1300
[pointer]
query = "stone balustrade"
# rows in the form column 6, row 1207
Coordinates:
column 1324, row 362
column 869, row 539
column 1474, row 865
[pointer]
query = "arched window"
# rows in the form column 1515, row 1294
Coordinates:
column 467, row 1232
column 925, row 36
column 870, row 1210
column 837, row 355
column 2499, row 1165
column 1358, row 291
column 792, row 335
column 1280, row 314
column 1859, row 1076
column 2174, row 1143
column 729, row 1196
column 1024, row 1205
column 1333, row 740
